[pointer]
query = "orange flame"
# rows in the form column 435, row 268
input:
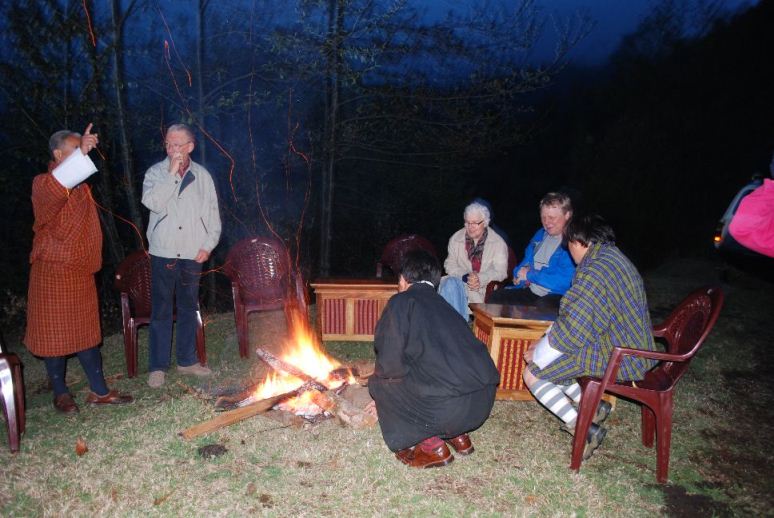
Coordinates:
column 304, row 353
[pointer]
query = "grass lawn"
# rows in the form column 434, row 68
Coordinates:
column 137, row 465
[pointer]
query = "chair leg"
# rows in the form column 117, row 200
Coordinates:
column 588, row 406
column 9, row 405
column 128, row 325
column 19, row 393
column 201, row 352
column 648, row 425
column 130, row 349
column 240, row 317
column 664, row 438
column 244, row 346
column 242, row 330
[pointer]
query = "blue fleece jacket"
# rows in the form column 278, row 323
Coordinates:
column 557, row 276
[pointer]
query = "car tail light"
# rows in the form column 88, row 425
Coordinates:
column 718, row 237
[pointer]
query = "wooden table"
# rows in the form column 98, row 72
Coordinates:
column 348, row 309
column 507, row 331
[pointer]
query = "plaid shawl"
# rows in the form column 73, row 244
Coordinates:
column 605, row 307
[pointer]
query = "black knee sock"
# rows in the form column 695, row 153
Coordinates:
column 56, row 367
column 91, row 361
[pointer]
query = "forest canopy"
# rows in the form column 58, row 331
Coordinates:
column 340, row 124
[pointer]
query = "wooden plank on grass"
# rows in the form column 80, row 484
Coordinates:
column 234, row 416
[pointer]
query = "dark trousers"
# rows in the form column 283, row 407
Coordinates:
column 525, row 297
column 91, row 361
column 174, row 286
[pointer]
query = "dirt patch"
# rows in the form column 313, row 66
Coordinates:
column 678, row 504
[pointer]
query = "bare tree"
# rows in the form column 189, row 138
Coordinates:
column 117, row 18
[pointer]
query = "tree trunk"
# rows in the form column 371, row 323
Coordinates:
column 112, row 240
column 127, row 163
column 200, row 27
column 105, row 205
column 200, row 77
column 335, row 26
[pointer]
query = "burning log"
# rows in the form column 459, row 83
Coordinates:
column 248, row 396
column 312, row 400
column 229, row 401
column 234, row 416
column 281, row 366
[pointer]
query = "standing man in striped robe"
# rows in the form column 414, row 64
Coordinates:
column 62, row 304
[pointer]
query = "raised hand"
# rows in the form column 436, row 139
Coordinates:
column 89, row 140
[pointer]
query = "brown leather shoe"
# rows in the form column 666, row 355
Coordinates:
column 405, row 455
column 462, row 444
column 65, row 404
column 440, row 456
column 111, row 398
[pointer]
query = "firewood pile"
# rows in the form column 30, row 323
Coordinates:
column 346, row 403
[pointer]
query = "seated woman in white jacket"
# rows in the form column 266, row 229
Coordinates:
column 476, row 256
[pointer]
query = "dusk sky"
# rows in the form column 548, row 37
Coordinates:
column 613, row 19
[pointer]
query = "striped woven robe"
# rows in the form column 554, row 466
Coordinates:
column 62, row 305
column 605, row 307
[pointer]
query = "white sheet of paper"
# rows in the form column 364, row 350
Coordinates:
column 544, row 354
column 74, row 169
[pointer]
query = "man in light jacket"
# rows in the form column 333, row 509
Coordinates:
column 183, row 228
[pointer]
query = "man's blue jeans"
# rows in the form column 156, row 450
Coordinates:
column 174, row 285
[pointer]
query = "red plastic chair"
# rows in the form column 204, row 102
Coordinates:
column 12, row 389
column 684, row 331
column 393, row 252
column 133, row 280
column 498, row 285
column 262, row 278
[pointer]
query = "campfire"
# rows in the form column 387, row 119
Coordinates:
column 304, row 381
column 303, row 368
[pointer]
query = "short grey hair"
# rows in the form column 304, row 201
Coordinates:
column 557, row 199
column 185, row 128
column 479, row 208
column 57, row 140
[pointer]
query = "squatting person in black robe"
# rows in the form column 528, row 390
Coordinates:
column 433, row 380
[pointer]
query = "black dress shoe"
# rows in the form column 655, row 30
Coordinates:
column 593, row 439
column 603, row 410
column 462, row 444
column 65, row 404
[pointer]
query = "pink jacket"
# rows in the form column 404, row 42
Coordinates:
column 753, row 223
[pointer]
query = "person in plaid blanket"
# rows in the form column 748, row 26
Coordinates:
column 605, row 307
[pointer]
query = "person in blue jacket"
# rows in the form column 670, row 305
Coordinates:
column 546, row 271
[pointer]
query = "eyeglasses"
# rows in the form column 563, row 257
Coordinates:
column 172, row 145
column 473, row 223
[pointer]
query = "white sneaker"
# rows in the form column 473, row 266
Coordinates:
column 156, row 379
column 197, row 369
